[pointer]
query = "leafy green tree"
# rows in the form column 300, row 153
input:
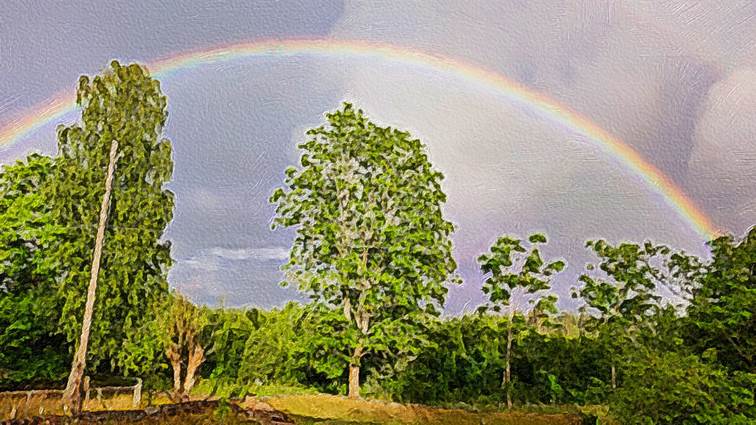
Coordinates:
column 272, row 350
column 371, row 237
column 515, row 271
column 181, row 330
column 28, row 306
column 125, row 104
column 721, row 312
column 230, row 329
column 622, row 292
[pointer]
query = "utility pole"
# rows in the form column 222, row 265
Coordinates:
column 72, row 394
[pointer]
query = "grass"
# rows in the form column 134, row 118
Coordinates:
column 307, row 407
column 39, row 405
column 205, row 387
column 332, row 410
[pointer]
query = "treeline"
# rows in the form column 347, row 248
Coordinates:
column 662, row 336
column 689, row 363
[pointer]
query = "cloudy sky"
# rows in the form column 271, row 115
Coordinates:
column 674, row 79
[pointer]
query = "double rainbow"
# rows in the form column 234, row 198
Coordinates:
column 15, row 131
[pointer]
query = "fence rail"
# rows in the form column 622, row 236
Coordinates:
column 27, row 395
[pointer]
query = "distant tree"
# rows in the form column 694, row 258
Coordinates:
column 515, row 271
column 722, row 312
column 124, row 104
column 622, row 293
column 182, row 326
column 371, row 237
column 271, row 353
column 229, row 330
column 29, row 307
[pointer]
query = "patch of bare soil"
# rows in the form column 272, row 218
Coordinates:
column 193, row 412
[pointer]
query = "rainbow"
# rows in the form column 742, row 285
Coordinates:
column 20, row 128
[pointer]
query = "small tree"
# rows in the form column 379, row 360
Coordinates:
column 181, row 329
column 622, row 293
column 515, row 271
column 371, row 237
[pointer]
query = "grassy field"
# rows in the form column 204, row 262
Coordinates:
column 19, row 407
column 321, row 409
column 332, row 410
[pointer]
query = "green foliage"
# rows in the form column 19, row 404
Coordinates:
column 721, row 314
column 625, row 294
column 511, row 267
column 670, row 388
column 371, row 238
column 30, row 342
column 125, row 104
column 272, row 350
column 514, row 271
column 463, row 362
column 26, row 227
column 180, row 322
column 230, row 329
column 622, row 292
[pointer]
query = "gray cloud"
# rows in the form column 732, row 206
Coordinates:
column 723, row 163
column 275, row 253
column 639, row 69
column 644, row 71
column 674, row 79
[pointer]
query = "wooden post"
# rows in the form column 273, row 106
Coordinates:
column 28, row 403
column 99, row 398
column 72, row 394
column 85, row 389
column 137, row 393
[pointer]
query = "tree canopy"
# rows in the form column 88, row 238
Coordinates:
column 125, row 104
column 28, row 305
column 370, row 233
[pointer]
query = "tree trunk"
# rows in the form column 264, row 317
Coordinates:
column 354, row 373
column 72, row 394
column 508, row 369
column 174, row 356
column 196, row 358
column 614, row 377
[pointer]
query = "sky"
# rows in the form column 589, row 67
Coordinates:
column 675, row 80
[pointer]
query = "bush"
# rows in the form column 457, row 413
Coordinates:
column 672, row 388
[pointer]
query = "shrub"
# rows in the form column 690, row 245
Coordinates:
column 672, row 388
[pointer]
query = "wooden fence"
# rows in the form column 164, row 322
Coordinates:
column 22, row 400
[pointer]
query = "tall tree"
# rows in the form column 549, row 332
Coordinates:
column 72, row 394
column 515, row 271
column 371, row 237
column 125, row 104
